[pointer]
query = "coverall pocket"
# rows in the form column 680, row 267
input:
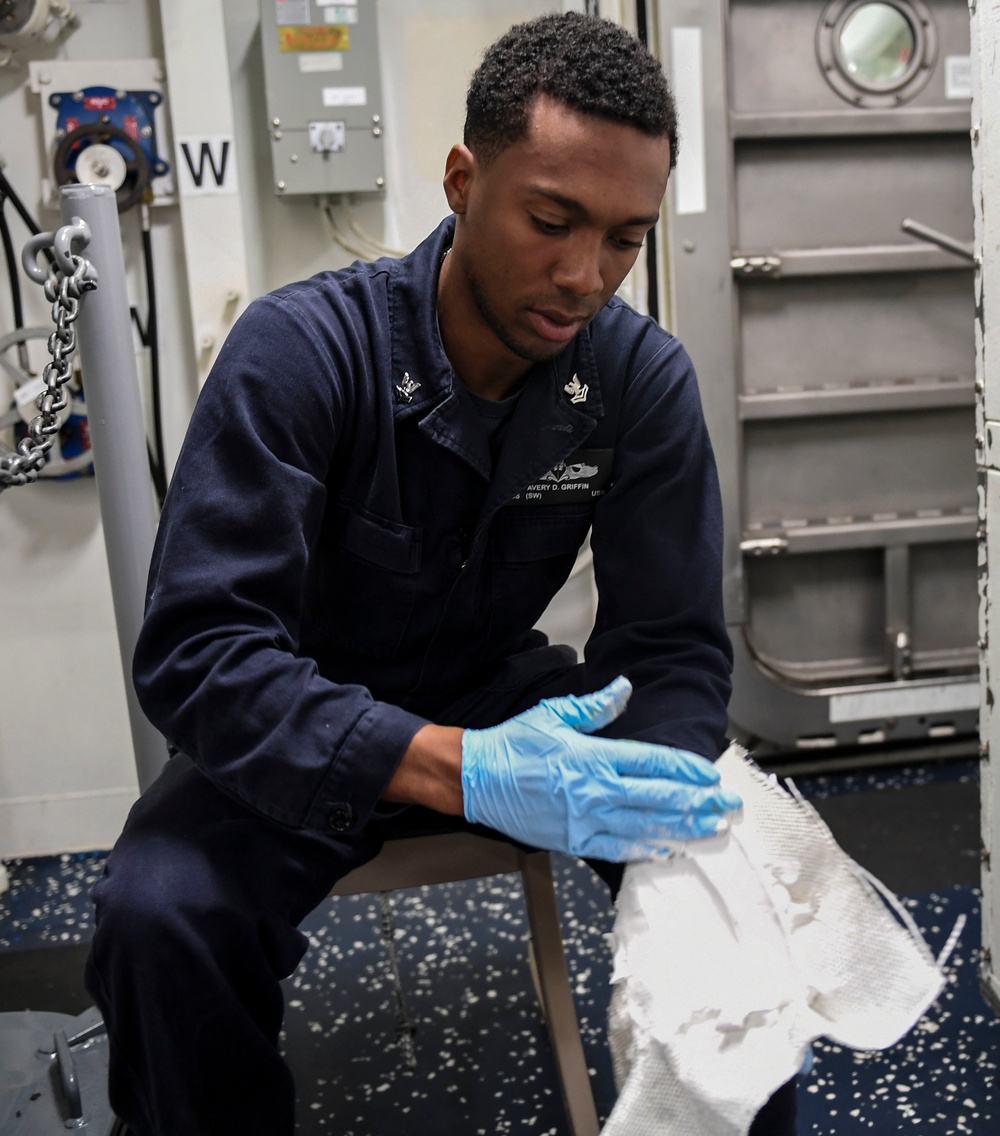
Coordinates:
column 532, row 553
column 372, row 571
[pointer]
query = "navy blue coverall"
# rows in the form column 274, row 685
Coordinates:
column 337, row 563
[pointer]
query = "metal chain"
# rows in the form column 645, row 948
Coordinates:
column 63, row 291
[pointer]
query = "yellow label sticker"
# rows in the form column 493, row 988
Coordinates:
column 315, row 37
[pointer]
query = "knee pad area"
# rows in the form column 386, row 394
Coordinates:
column 163, row 908
column 147, row 893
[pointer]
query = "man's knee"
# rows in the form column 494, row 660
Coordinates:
column 165, row 907
column 153, row 897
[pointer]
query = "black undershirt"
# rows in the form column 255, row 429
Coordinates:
column 495, row 415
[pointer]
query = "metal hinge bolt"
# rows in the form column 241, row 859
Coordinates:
column 766, row 546
column 756, row 265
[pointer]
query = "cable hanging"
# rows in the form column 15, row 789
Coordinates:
column 362, row 244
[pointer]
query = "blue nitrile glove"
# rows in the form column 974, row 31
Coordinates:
column 541, row 779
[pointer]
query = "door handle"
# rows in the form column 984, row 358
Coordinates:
column 942, row 240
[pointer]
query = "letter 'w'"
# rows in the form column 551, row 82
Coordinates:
column 206, row 155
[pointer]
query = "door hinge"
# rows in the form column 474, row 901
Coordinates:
column 766, row 546
column 756, row 265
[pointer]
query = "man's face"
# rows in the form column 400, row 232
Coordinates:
column 548, row 231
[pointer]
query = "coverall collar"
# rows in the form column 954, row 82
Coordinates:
column 559, row 405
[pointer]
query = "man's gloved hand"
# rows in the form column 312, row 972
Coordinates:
column 540, row 779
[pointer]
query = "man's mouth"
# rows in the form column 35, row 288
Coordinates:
column 554, row 325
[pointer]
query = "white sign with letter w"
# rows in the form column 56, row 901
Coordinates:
column 206, row 164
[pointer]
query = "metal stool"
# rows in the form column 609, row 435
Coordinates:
column 450, row 856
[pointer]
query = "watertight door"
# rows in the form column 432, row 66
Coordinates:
column 820, row 230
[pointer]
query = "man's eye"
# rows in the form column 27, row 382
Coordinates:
column 544, row 226
column 625, row 243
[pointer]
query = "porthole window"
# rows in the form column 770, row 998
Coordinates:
column 877, row 44
column 876, row 53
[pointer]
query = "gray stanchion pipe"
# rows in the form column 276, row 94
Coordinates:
column 118, row 440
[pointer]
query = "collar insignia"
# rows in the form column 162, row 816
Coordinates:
column 406, row 389
column 576, row 390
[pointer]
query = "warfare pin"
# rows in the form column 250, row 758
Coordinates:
column 576, row 390
column 406, row 389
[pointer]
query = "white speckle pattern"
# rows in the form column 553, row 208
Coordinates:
column 938, row 1081
column 484, row 1062
column 48, row 902
column 483, row 1059
column 819, row 785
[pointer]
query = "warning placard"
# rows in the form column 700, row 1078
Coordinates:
column 315, row 37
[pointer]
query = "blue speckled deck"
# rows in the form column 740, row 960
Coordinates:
column 818, row 786
column 484, row 1065
column 942, row 1078
column 48, row 903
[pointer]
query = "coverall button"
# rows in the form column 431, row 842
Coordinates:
column 341, row 818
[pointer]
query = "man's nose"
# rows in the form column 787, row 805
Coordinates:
column 579, row 268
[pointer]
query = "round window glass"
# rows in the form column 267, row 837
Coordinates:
column 877, row 43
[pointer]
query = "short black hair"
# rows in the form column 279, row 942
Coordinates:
column 590, row 64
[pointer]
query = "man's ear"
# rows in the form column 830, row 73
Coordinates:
column 459, row 170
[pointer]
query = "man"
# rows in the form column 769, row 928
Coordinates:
column 386, row 479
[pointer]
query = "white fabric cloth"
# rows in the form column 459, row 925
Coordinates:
column 736, row 952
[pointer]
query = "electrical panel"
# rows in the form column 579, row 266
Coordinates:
column 324, row 95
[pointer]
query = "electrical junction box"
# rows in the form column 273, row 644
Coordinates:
column 324, row 95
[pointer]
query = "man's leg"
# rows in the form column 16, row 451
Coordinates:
column 197, row 918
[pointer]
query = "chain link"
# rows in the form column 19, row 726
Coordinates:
column 63, row 291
